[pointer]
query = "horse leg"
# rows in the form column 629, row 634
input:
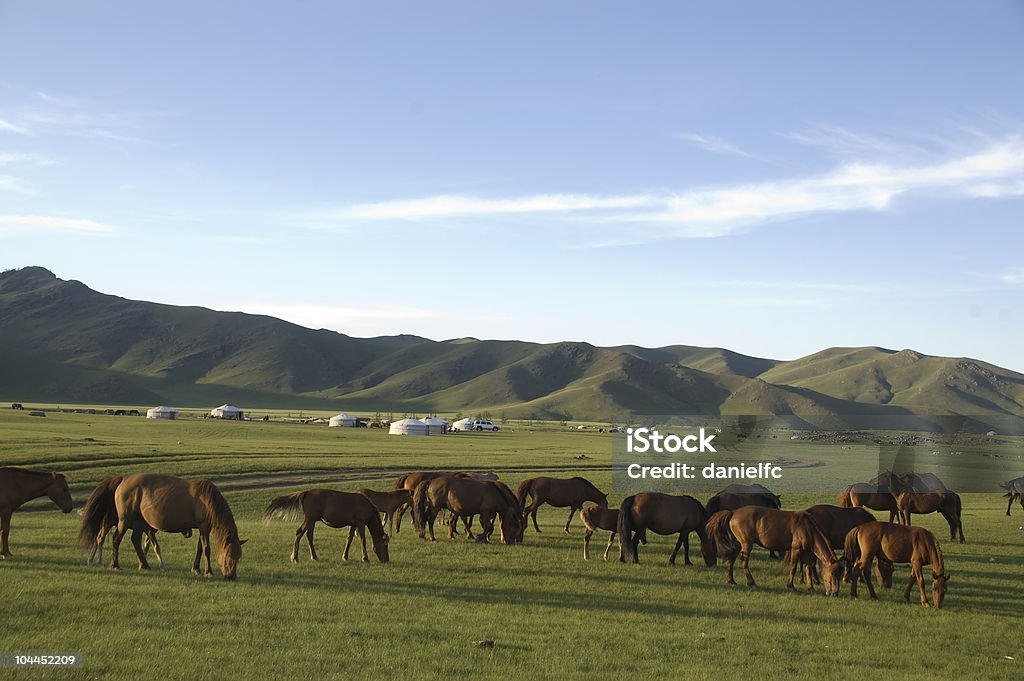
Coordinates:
column 745, row 563
column 586, row 545
column 794, row 563
column 401, row 512
column 204, row 537
column 348, row 544
column 1009, row 503
column 611, row 538
column 199, row 555
column 892, row 514
column 533, row 514
column 362, row 542
column 298, row 538
column 151, row 538
column 137, row 543
column 309, row 540
column 572, row 512
column 115, row 546
column 920, row 585
column 5, row 531
column 635, row 540
column 453, row 524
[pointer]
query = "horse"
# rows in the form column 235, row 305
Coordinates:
column 663, row 514
column 755, row 489
column 738, row 496
column 1014, row 490
column 836, row 522
column 922, row 482
column 897, row 544
column 333, row 509
column 867, row 495
column 164, row 503
column 735, row 532
column 388, row 502
column 946, row 503
column 597, row 518
column 411, row 481
column 18, row 486
column 559, row 493
column 465, row 497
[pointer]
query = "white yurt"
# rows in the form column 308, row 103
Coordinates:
column 464, row 424
column 227, row 411
column 435, row 426
column 343, row 420
column 162, row 413
column 407, row 427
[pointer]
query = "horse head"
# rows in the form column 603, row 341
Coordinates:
column 59, row 493
column 832, row 576
column 380, row 547
column 230, row 554
column 939, row 588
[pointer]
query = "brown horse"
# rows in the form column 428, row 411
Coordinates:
column 164, row 503
column 866, row 495
column 921, row 483
column 836, row 522
column 597, row 518
column 946, row 503
column 1014, row 490
column 464, row 498
column 663, row 514
column 734, row 533
column 897, row 544
column 388, row 502
column 560, row 493
column 411, row 481
column 333, row 509
column 17, row 486
column 755, row 489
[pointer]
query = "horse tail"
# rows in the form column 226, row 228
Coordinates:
column 626, row 528
column 1006, row 485
column 845, row 499
column 97, row 512
column 851, row 549
column 720, row 534
column 400, row 483
column 420, row 506
column 525, row 487
column 714, row 505
column 287, row 506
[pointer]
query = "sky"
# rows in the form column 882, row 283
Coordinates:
column 774, row 178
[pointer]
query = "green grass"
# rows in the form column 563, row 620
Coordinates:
column 550, row 614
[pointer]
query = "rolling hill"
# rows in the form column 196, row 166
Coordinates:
column 64, row 342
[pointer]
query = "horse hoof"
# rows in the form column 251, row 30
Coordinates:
column 195, row 572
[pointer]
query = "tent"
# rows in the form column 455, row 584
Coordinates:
column 408, row 427
column 162, row 413
column 435, row 426
column 343, row 420
column 227, row 411
column 464, row 424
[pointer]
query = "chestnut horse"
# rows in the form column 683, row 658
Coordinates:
column 1014, row 490
column 946, row 503
column 836, row 522
column 465, row 497
column 560, row 493
column 734, row 533
column 333, row 509
column 597, row 518
column 19, row 485
column 164, row 503
column 411, row 481
column 897, row 544
column 662, row 514
column 388, row 502
column 867, row 495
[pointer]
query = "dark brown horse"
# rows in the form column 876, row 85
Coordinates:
column 1014, row 490
column 411, row 481
column 17, row 486
column 836, row 522
column 662, row 514
column 388, row 502
column 333, row 509
column 867, row 495
column 465, row 497
column 755, row 489
column 167, row 504
column 734, row 533
column 946, row 503
column 597, row 518
column 559, row 493
column 897, row 544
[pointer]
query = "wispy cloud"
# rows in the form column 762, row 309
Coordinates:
column 44, row 114
column 715, row 145
column 994, row 171
column 15, row 225
column 1014, row 277
column 7, row 126
column 25, row 159
column 14, row 185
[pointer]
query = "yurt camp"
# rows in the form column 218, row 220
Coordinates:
column 408, row 427
column 435, row 425
column 162, row 413
column 227, row 411
column 343, row 420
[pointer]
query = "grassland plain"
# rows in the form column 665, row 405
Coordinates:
column 550, row 614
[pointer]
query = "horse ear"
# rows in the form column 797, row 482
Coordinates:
column 242, row 541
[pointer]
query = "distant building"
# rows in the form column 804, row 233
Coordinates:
column 162, row 413
column 343, row 420
column 408, row 427
column 227, row 411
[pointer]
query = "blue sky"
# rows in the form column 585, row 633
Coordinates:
column 772, row 179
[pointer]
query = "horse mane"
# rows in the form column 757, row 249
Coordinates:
column 222, row 521
column 506, row 494
column 27, row 472
column 818, row 534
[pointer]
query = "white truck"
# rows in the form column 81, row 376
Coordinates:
column 474, row 424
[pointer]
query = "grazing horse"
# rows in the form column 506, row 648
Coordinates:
column 333, row 509
column 464, row 498
column 148, row 502
column 559, row 493
column 734, row 533
column 597, row 518
column 946, row 503
column 897, row 544
column 411, row 481
column 1014, row 490
column 662, row 514
column 17, row 486
column 867, row 495
column 738, row 496
column 836, row 522
column 388, row 502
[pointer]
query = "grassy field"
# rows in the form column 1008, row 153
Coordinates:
column 550, row 614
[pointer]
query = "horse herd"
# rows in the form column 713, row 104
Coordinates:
column 728, row 526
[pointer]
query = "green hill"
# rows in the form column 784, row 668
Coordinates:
column 63, row 342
